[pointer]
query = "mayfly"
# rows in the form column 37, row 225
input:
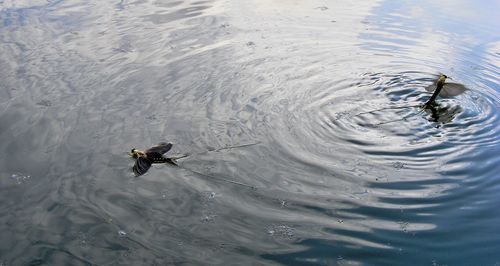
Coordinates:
column 155, row 155
column 439, row 88
column 443, row 89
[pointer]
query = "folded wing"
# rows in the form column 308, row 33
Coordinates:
column 141, row 166
column 161, row 148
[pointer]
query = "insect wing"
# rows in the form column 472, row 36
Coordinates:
column 161, row 148
column 430, row 88
column 452, row 89
column 141, row 166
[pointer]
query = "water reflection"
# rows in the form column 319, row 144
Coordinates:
column 443, row 114
column 81, row 82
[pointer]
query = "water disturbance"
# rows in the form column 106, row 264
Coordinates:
column 348, row 169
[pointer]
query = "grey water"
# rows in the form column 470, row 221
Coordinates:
column 343, row 174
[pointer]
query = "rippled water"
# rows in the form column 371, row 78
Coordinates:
column 346, row 171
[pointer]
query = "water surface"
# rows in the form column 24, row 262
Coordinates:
column 341, row 178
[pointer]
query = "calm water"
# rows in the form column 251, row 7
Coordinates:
column 82, row 82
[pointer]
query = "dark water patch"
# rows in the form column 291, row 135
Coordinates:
column 348, row 169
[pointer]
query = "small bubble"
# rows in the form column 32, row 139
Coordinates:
column 208, row 218
column 20, row 178
column 83, row 241
column 404, row 226
column 45, row 103
column 208, row 196
column 281, row 231
column 398, row 165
